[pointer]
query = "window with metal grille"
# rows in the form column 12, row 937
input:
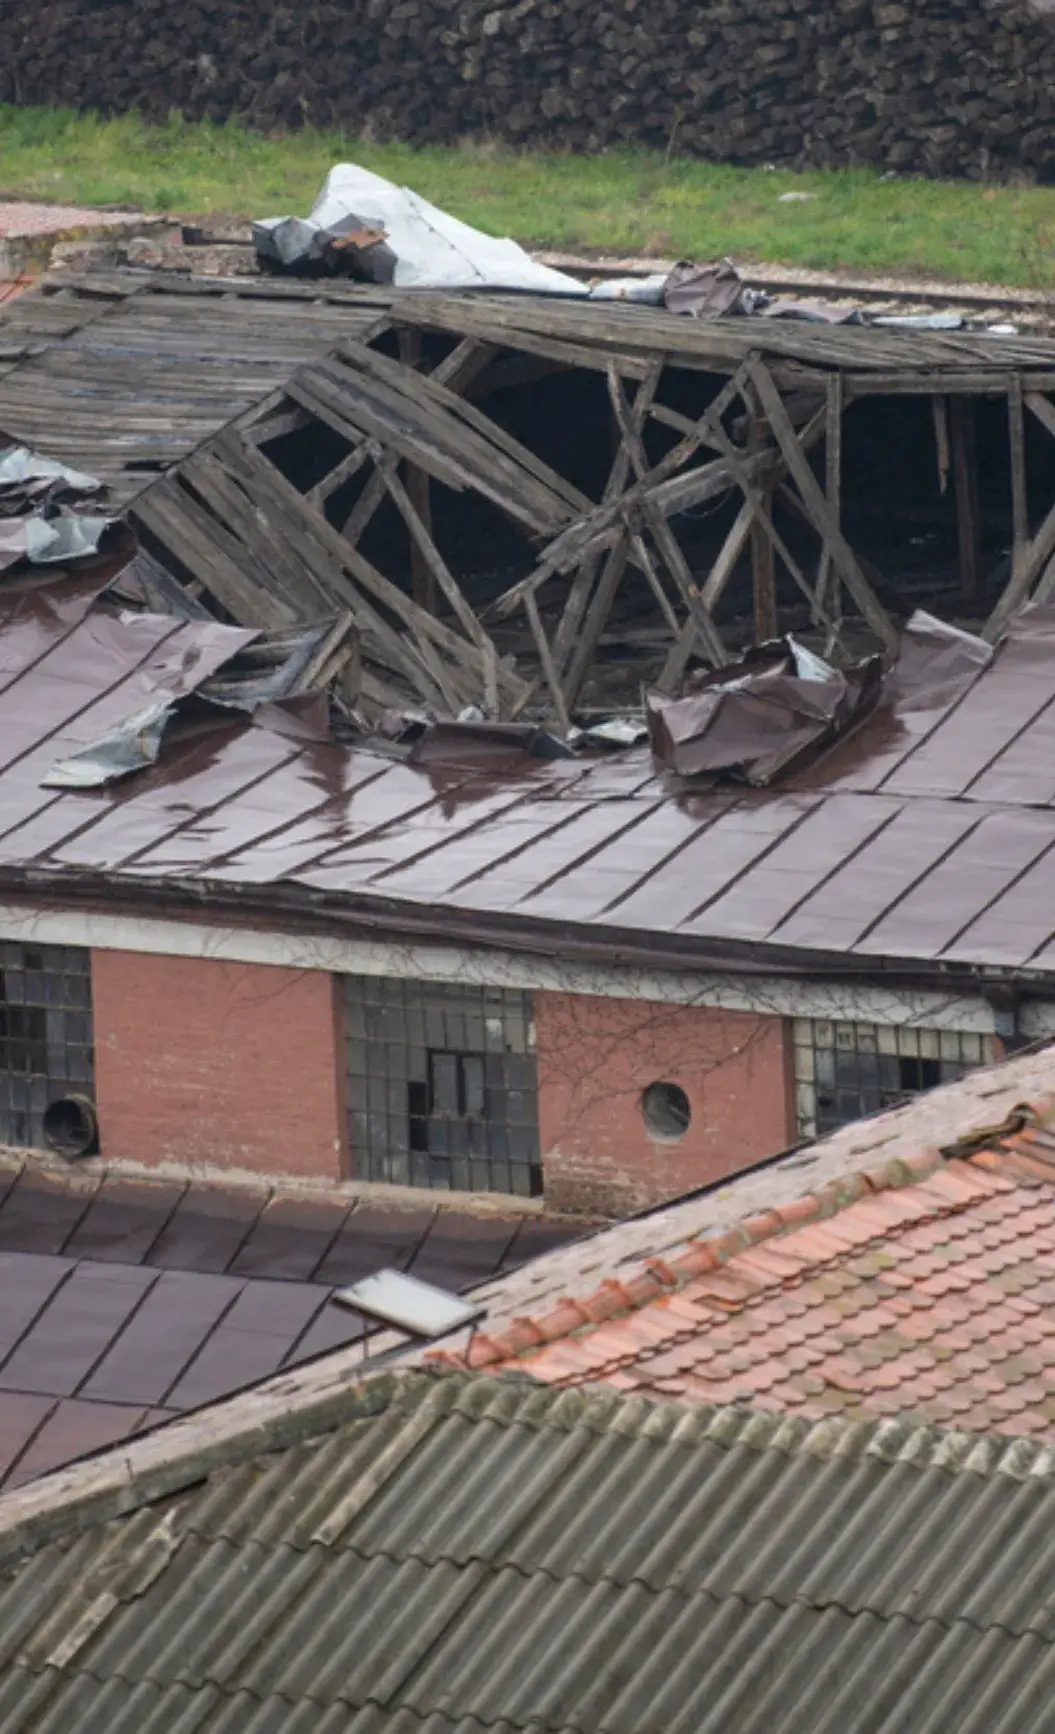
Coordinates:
column 442, row 1085
column 45, row 1034
column 844, row 1071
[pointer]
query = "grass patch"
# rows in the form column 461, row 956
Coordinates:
column 632, row 201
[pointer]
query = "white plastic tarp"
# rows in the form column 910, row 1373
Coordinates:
column 433, row 250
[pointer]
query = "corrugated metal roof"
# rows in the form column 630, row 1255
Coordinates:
column 477, row 1554
column 923, row 839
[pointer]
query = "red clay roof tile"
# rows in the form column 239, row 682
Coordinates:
column 925, row 1286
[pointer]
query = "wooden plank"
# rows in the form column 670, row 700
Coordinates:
column 215, row 558
column 270, row 563
column 468, row 420
column 797, row 462
column 349, row 466
column 274, row 426
column 366, row 505
column 717, row 579
column 1041, row 408
column 940, row 411
column 1034, row 557
column 546, row 658
column 596, row 615
column 467, row 359
column 418, row 494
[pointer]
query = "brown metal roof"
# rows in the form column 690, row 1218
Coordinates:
column 124, row 1302
column 923, row 839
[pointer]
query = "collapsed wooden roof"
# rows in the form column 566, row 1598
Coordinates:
column 257, row 432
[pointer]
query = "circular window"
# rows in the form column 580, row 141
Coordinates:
column 666, row 1109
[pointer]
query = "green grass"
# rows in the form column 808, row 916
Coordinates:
column 620, row 202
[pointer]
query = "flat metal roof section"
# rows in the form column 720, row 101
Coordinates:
column 921, row 843
column 125, row 1302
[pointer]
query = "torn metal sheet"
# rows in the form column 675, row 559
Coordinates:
column 264, row 675
column 428, row 248
column 26, row 475
column 755, row 718
column 133, row 744
column 39, row 522
column 50, row 541
column 648, row 290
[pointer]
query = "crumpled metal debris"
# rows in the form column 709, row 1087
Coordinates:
column 757, row 717
column 704, row 291
column 223, row 668
column 39, row 520
column 364, row 226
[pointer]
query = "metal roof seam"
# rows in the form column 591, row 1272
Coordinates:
column 193, row 819
column 373, row 831
column 423, row 854
column 998, row 897
column 665, row 860
column 1047, row 704
column 907, row 890
column 923, row 740
column 817, row 887
column 637, row 818
column 767, row 849
column 299, row 818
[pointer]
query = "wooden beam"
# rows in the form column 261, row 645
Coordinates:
column 582, row 584
column 939, row 407
column 465, row 361
column 596, row 615
column 421, row 535
column 827, row 580
column 1035, row 557
column 662, row 535
column 965, row 481
column 717, row 579
column 763, row 565
column 843, row 556
column 1017, row 441
column 422, row 575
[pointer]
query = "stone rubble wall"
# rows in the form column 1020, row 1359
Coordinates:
column 941, row 87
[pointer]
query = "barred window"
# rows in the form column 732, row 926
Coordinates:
column 45, row 1034
column 442, row 1085
column 844, row 1071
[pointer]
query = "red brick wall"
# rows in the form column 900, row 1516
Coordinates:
column 595, row 1058
column 234, row 1064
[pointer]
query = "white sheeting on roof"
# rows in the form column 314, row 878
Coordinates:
column 433, row 250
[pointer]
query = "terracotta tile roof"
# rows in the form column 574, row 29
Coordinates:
column 925, row 1285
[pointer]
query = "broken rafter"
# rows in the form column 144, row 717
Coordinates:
column 842, row 555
